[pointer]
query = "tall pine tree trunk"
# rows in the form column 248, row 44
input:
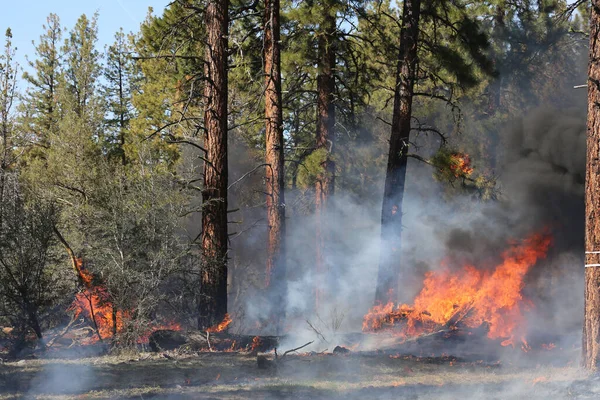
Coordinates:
column 591, row 327
column 324, row 189
column 213, row 291
column 391, row 213
column 276, row 263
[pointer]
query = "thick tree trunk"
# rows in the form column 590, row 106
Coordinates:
column 325, row 184
column 213, row 291
column 276, row 262
column 391, row 213
column 591, row 327
column 34, row 322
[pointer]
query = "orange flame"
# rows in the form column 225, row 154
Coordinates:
column 460, row 164
column 94, row 304
column 221, row 326
column 548, row 346
column 256, row 342
column 470, row 296
column 539, row 379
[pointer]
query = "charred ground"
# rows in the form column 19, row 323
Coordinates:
column 310, row 376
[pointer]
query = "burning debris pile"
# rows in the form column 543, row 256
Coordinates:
column 470, row 298
column 94, row 305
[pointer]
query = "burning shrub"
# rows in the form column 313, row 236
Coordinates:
column 135, row 248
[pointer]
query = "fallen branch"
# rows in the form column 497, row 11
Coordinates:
column 208, row 340
column 265, row 363
column 296, row 349
column 61, row 334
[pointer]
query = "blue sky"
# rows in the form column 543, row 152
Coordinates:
column 26, row 17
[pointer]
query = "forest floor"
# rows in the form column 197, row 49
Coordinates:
column 316, row 376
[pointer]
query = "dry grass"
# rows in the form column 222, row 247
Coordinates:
column 236, row 376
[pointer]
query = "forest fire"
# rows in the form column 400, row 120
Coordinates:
column 93, row 302
column 470, row 297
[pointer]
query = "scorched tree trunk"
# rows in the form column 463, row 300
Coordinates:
column 391, row 213
column 213, row 291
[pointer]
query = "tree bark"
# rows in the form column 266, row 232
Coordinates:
column 391, row 213
column 213, row 292
column 325, row 183
column 591, row 327
column 276, row 261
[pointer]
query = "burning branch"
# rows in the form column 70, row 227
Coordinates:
column 92, row 299
column 85, row 279
column 70, row 252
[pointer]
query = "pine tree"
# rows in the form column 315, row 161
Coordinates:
column 591, row 327
column 325, row 135
column 25, row 232
column 275, row 183
column 40, row 106
column 391, row 214
column 441, row 52
column 68, row 168
column 8, row 87
column 214, row 239
column 82, row 68
column 117, row 92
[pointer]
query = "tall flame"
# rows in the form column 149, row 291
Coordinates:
column 93, row 303
column 470, row 296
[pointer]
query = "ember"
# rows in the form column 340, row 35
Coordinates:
column 256, row 342
column 548, row 346
column 470, row 297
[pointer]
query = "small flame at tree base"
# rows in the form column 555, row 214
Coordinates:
column 472, row 297
column 221, row 326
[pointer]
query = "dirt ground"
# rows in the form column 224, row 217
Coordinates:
column 316, row 376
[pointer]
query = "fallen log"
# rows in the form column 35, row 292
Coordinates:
column 161, row 340
column 460, row 314
column 165, row 339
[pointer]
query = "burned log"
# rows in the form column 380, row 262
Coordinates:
column 341, row 350
column 460, row 314
column 165, row 339
column 205, row 341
